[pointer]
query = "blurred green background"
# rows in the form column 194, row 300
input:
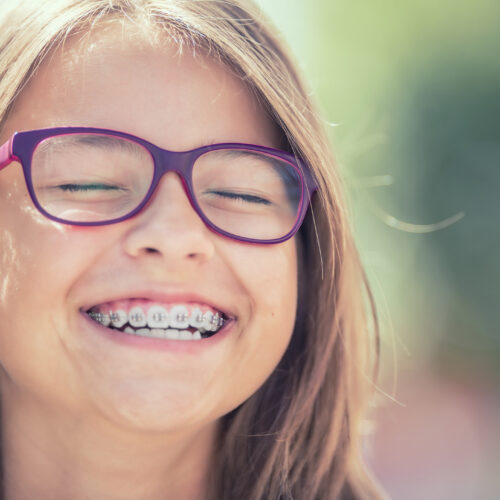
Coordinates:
column 411, row 93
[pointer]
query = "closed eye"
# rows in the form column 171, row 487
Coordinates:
column 87, row 187
column 248, row 198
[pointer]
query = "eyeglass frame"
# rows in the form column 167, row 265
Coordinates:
column 22, row 146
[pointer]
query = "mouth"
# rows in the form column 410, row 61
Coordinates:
column 146, row 318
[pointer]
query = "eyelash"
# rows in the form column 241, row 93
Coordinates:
column 248, row 198
column 85, row 187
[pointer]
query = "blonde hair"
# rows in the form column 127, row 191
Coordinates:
column 298, row 436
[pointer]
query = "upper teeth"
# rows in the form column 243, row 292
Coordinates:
column 158, row 317
column 118, row 318
column 136, row 317
column 179, row 317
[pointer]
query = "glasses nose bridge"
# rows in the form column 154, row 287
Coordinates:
column 179, row 162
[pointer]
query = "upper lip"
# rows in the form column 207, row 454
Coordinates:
column 161, row 297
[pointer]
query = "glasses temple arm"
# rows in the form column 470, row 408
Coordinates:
column 6, row 154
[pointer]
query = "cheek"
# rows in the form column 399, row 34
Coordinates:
column 268, row 276
column 38, row 255
column 19, row 239
column 40, row 261
column 275, row 283
column 276, row 306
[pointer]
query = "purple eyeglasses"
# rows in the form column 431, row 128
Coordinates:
column 91, row 176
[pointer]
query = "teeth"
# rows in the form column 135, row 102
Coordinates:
column 196, row 319
column 172, row 334
column 215, row 322
column 158, row 333
column 179, row 317
column 160, row 323
column 100, row 318
column 207, row 321
column 136, row 317
column 185, row 335
column 157, row 317
column 155, row 333
column 118, row 318
column 105, row 319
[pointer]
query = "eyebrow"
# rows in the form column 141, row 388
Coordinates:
column 242, row 152
column 97, row 141
column 238, row 153
column 289, row 174
column 105, row 142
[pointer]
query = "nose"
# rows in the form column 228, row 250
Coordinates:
column 169, row 229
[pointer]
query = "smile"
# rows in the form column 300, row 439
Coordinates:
column 148, row 319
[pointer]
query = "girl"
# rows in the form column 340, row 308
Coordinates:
column 182, row 304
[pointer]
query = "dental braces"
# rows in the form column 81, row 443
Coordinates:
column 215, row 320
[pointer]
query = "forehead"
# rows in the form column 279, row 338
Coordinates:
column 119, row 79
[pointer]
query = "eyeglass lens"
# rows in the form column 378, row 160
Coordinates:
column 97, row 178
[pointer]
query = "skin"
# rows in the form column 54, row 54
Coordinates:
column 95, row 419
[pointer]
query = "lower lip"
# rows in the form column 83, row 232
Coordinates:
column 153, row 344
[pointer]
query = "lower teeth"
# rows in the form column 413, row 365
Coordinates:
column 159, row 333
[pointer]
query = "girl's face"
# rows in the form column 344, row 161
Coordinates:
column 51, row 273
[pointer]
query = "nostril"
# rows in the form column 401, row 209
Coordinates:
column 151, row 250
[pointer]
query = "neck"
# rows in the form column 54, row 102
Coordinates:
column 50, row 454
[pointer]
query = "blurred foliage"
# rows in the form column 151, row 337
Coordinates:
column 414, row 88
